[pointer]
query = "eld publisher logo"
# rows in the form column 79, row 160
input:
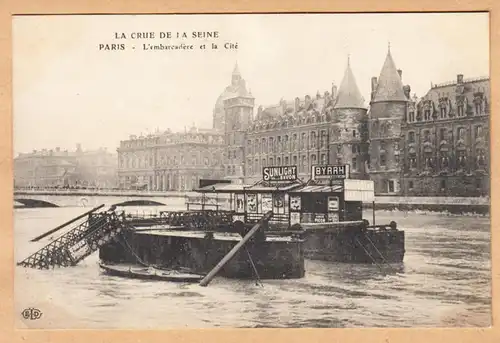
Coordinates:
column 32, row 314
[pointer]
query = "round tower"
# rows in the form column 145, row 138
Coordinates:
column 388, row 108
column 348, row 142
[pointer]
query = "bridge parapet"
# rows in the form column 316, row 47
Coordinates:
column 103, row 192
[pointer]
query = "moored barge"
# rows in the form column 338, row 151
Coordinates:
column 327, row 210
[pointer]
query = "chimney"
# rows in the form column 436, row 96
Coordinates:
column 374, row 83
column 58, row 149
column 334, row 91
column 407, row 91
column 78, row 147
column 460, row 78
column 400, row 72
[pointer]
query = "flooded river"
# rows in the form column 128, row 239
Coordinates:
column 443, row 282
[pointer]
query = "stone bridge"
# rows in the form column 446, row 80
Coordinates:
column 92, row 198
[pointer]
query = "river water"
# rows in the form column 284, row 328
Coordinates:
column 443, row 282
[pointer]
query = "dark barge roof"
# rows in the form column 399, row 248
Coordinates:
column 319, row 189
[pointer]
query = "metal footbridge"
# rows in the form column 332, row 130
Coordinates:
column 77, row 243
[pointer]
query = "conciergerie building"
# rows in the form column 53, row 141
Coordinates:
column 434, row 145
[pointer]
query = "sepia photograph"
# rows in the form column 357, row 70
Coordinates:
column 252, row 171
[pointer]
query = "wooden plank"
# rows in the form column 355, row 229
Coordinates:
column 206, row 280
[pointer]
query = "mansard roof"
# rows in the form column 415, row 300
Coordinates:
column 389, row 85
column 349, row 95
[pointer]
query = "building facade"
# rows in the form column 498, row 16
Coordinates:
column 325, row 129
column 435, row 145
column 445, row 141
column 170, row 160
column 58, row 168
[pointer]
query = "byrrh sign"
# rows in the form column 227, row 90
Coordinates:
column 281, row 173
column 331, row 172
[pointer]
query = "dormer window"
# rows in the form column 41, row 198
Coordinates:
column 427, row 115
column 443, row 112
column 478, row 107
column 411, row 117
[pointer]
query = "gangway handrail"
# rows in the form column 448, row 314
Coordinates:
column 36, row 239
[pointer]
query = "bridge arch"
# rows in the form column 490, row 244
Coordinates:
column 140, row 203
column 33, row 203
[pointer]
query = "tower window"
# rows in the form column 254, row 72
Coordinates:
column 382, row 160
column 443, row 185
column 354, row 133
column 411, row 137
column 410, row 185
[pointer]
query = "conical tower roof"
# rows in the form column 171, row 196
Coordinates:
column 389, row 87
column 349, row 95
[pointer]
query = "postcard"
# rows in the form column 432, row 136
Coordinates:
column 252, row 171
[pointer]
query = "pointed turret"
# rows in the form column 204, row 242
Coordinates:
column 236, row 71
column 389, row 86
column 349, row 95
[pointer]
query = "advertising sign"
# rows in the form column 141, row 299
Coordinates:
column 281, row 173
column 330, row 172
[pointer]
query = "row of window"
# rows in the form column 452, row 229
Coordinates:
column 444, row 133
column 479, row 108
column 140, row 162
column 135, row 143
column 444, row 160
column 165, row 182
column 283, row 143
column 443, row 185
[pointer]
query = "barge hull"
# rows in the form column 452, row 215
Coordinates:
column 355, row 246
column 273, row 259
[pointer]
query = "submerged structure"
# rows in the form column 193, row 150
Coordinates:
column 259, row 231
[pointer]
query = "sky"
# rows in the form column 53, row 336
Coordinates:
column 67, row 91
